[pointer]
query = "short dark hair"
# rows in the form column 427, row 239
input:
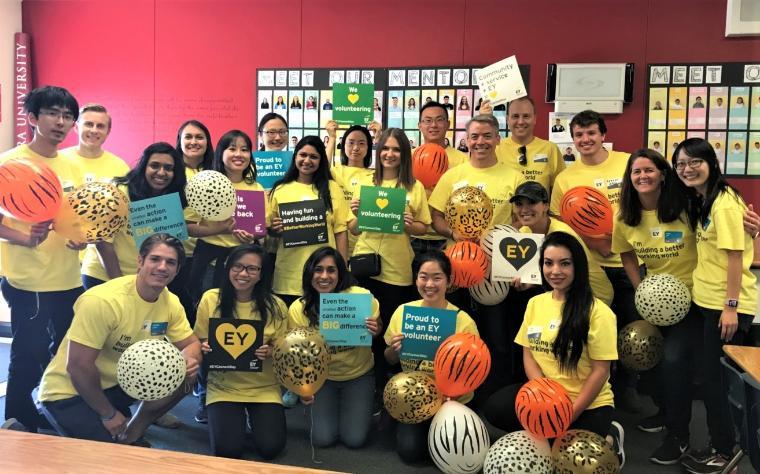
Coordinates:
column 431, row 104
column 50, row 96
column 434, row 256
column 166, row 239
column 588, row 118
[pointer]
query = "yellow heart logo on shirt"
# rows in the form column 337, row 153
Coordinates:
column 493, row 94
column 235, row 340
column 353, row 98
column 381, row 202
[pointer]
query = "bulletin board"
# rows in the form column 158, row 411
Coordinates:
column 719, row 102
column 304, row 97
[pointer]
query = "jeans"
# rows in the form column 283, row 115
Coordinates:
column 719, row 424
column 74, row 418
column 624, row 307
column 90, row 282
column 227, row 424
column 39, row 321
column 343, row 411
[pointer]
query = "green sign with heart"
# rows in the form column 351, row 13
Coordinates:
column 517, row 256
column 352, row 103
column 381, row 209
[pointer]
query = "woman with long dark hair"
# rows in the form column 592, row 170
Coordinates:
column 307, row 178
column 568, row 336
column 234, row 397
column 342, row 409
column 725, row 293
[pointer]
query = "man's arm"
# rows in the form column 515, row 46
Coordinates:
column 191, row 351
column 37, row 234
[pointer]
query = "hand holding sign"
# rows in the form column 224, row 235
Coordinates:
column 233, row 344
column 517, row 256
column 352, row 103
column 501, row 82
column 381, row 209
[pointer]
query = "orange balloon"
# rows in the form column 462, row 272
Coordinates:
column 462, row 363
column 544, row 408
column 429, row 162
column 29, row 191
column 469, row 264
column 587, row 211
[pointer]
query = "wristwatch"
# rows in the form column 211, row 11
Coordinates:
column 731, row 303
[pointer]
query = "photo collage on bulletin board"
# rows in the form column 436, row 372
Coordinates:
column 304, row 98
column 717, row 102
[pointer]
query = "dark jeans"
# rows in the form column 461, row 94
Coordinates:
column 203, row 255
column 227, row 427
column 180, row 286
column 500, row 412
column 39, row 321
column 412, row 441
column 719, row 424
column 74, row 418
column 90, row 282
column 343, row 411
column 624, row 307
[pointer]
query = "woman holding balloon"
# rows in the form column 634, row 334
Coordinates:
column 233, row 158
column 233, row 397
column 432, row 279
column 725, row 294
column 308, row 178
column 342, row 409
column 568, row 336
column 159, row 172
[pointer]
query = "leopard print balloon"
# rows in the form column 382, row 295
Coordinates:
column 640, row 345
column 519, row 452
column 98, row 211
column 662, row 299
column 469, row 211
column 300, row 361
column 411, row 397
column 584, row 452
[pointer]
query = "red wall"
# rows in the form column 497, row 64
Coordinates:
column 155, row 63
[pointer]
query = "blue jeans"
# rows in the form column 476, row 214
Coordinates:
column 343, row 411
column 39, row 320
column 74, row 418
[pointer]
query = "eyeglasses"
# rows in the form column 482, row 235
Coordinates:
column 56, row 114
column 249, row 269
column 274, row 133
column 523, row 159
column 693, row 163
column 431, row 121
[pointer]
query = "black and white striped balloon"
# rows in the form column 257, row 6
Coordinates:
column 458, row 440
column 489, row 292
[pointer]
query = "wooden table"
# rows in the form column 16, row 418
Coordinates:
column 748, row 358
column 35, row 453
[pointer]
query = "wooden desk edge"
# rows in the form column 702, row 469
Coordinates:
column 747, row 357
column 16, row 447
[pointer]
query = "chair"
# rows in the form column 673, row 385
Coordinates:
column 752, row 397
column 736, row 406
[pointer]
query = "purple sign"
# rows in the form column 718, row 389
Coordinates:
column 250, row 212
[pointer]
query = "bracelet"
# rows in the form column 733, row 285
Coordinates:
column 109, row 418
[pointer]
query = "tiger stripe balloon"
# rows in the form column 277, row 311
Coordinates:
column 469, row 264
column 462, row 363
column 429, row 162
column 544, row 408
column 29, row 191
column 587, row 210
column 486, row 243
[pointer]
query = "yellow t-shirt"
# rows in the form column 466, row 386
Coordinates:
column 607, row 177
column 110, row 318
column 190, row 216
column 498, row 182
column 290, row 261
column 544, row 160
column 723, row 231
column 125, row 247
column 51, row 266
column 346, row 362
column 456, row 158
column 348, row 177
column 464, row 324
column 395, row 250
column 538, row 331
column 102, row 169
column 665, row 247
column 600, row 284
column 243, row 387
column 227, row 239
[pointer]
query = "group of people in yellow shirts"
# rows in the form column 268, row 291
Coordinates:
column 677, row 216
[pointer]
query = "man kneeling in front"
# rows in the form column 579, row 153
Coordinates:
column 79, row 392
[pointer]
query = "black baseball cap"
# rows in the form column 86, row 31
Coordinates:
column 532, row 191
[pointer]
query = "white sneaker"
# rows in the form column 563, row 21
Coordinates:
column 618, row 438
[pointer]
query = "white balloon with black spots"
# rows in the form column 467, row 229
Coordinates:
column 212, row 195
column 521, row 453
column 150, row 369
column 662, row 299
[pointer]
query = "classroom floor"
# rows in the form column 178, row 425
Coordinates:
column 378, row 456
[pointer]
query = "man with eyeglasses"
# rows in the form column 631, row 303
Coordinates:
column 537, row 159
column 97, row 164
column 433, row 126
column 40, row 268
column 484, row 171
